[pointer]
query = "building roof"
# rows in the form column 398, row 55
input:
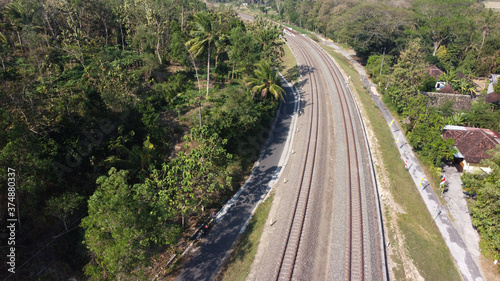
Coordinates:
column 473, row 143
column 492, row 98
column 434, row 71
column 447, row 89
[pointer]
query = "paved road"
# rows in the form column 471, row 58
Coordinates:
column 206, row 260
column 458, row 249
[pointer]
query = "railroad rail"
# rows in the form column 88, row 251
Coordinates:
column 291, row 248
column 355, row 252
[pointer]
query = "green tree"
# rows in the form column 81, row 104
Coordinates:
column 138, row 159
column 408, row 75
column 124, row 222
column 487, row 18
column 268, row 36
column 64, row 205
column 456, row 119
column 374, row 65
column 225, row 20
column 195, row 178
column 450, row 77
column 486, row 210
column 371, row 27
column 424, row 128
column 242, row 52
column 18, row 18
column 177, row 48
column 466, row 87
column 202, row 38
column 266, row 81
column 483, row 115
column 439, row 19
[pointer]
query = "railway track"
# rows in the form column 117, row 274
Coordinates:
column 354, row 252
column 289, row 255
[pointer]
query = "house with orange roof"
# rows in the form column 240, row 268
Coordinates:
column 472, row 145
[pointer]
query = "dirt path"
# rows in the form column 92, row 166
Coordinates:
column 456, row 206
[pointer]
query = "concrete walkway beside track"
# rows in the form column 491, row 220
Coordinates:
column 206, row 259
column 463, row 258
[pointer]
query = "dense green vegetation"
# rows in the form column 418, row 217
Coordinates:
column 485, row 211
column 126, row 122
column 454, row 33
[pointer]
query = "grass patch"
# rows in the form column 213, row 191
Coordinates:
column 241, row 258
column 423, row 241
column 289, row 67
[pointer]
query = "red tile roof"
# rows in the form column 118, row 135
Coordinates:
column 472, row 142
column 434, row 71
column 492, row 98
column 447, row 89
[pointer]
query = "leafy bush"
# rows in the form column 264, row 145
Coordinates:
column 485, row 211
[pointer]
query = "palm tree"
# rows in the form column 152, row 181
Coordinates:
column 136, row 159
column 266, row 81
column 457, row 118
column 450, row 77
column 467, row 87
column 203, row 37
column 17, row 18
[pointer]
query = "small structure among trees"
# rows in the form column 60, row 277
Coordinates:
column 472, row 145
column 459, row 102
column 493, row 98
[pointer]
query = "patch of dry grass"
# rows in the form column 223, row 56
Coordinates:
column 241, row 258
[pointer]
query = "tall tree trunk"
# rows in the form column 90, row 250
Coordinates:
column 121, row 33
column 182, row 18
column 158, row 44
column 46, row 18
column 208, row 67
column 19, row 38
column 484, row 33
column 106, row 31
column 436, row 47
column 199, row 87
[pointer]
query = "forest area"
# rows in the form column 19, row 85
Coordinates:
column 397, row 41
column 124, row 124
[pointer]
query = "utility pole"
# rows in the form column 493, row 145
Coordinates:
column 382, row 65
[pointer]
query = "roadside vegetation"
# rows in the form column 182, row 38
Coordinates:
column 238, row 265
column 128, row 123
column 240, row 260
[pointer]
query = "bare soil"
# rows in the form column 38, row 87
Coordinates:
column 495, row 5
column 490, row 270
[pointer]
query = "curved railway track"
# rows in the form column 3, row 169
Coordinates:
column 291, row 248
column 355, row 252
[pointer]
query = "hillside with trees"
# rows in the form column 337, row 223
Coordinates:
column 126, row 122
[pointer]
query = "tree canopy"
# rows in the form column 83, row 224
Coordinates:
column 97, row 97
